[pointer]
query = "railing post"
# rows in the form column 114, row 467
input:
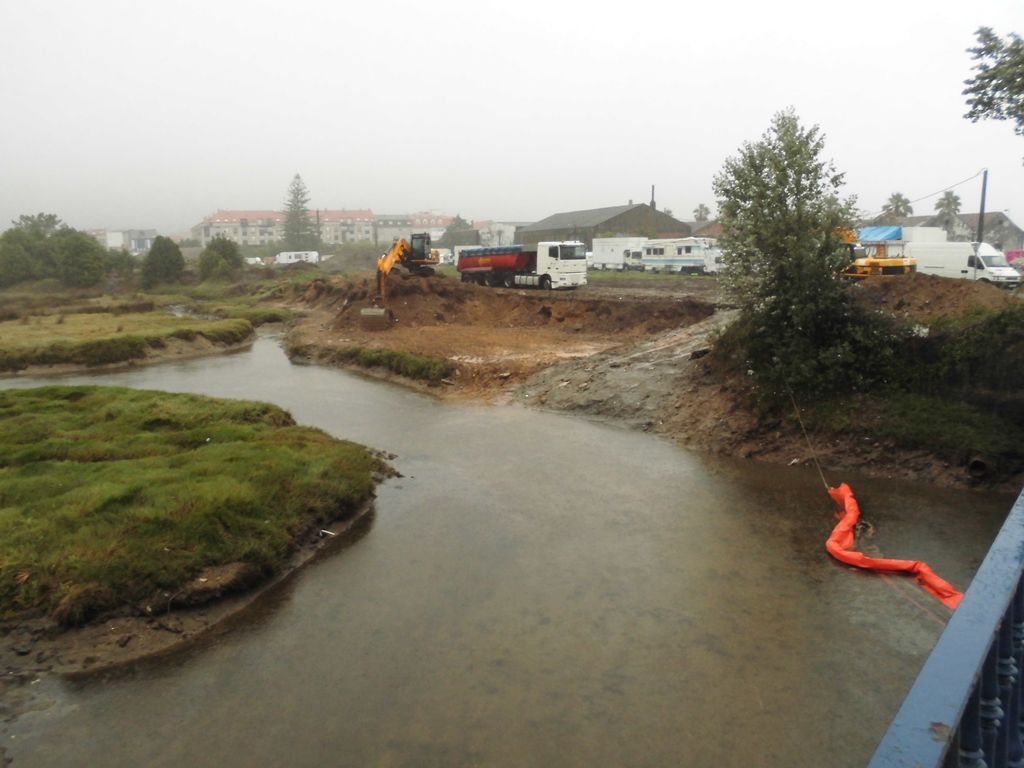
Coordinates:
column 1016, row 751
column 1009, row 730
column 991, row 712
column 971, row 754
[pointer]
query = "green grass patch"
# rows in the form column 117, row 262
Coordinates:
column 612, row 276
column 983, row 349
column 244, row 300
column 257, row 315
column 952, row 429
column 407, row 364
column 92, row 339
column 109, row 495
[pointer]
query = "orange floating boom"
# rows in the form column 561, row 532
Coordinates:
column 840, row 546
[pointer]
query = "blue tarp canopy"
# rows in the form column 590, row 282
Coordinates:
column 872, row 234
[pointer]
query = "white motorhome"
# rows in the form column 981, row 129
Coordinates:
column 294, row 257
column 968, row 261
column 714, row 262
column 687, row 255
column 618, row 253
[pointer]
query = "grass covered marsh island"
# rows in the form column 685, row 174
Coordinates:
column 110, row 496
column 106, row 338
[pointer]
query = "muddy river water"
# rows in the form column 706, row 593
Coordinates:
column 537, row 590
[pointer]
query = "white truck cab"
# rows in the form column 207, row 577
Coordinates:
column 564, row 262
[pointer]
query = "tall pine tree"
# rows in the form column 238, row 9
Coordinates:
column 299, row 232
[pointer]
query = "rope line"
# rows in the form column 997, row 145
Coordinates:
column 810, row 447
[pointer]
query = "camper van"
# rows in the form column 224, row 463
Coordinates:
column 969, row 261
column 294, row 257
column 618, row 253
column 681, row 255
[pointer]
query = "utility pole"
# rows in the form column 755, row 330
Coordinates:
column 981, row 215
column 981, row 221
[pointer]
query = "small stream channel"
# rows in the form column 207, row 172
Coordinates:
column 537, row 590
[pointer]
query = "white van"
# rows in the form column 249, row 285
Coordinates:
column 960, row 260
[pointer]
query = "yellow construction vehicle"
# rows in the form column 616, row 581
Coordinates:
column 416, row 255
column 875, row 257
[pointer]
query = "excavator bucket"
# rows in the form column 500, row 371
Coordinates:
column 375, row 319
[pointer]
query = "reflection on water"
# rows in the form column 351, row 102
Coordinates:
column 537, row 590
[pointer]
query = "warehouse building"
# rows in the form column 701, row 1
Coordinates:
column 637, row 220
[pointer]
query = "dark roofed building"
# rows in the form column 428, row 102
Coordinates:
column 711, row 228
column 639, row 220
column 1000, row 231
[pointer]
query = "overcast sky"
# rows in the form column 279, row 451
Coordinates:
column 152, row 115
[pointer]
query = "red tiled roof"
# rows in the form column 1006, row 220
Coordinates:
column 423, row 218
column 342, row 215
column 230, row 216
column 222, row 216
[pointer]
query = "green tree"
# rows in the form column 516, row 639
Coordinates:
column 782, row 215
column 34, row 234
column 897, row 207
column 17, row 263
column 163, row 264
column 947, row 207
column 220, row 260
column 996, row 92
column 701, row 213
column 41, row 224
column 299, row 233
column 948, row 204
column 459, row 232
column 80, row 258
column 119, row 263
column 40, row 246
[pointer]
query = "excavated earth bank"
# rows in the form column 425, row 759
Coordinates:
column 628, row 351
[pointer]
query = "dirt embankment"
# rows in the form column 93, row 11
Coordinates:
column 924, row 298
column 495, row 336
column 629, row 351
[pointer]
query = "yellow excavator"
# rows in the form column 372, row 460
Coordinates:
column 416, row 255
column 874, row 258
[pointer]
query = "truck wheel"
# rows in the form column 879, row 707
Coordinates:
column 510, row 281
column 545, row 283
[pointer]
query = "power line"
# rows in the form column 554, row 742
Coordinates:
column 933, row 194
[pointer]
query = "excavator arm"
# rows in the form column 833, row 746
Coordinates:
column 416, row 257
column 398, row 253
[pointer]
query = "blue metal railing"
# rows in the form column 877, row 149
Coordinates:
column 964, row 709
